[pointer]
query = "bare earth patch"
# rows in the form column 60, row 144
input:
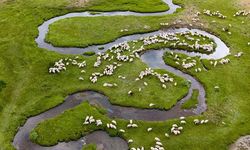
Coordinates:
column 2, row 1
column 242, row 143
column 189, row 19
column 79, row 3
column 245, row 4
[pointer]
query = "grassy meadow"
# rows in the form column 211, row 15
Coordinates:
column 86, row 31
column 26, row 88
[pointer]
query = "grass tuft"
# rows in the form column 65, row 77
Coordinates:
column 192, row 102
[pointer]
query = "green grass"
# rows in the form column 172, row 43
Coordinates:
column 69, row 126
column 100, row 48
column 89, row 53
column 89, row 147
column 120, row 94
column 192, row 102
column 103, row 5
column 86, row 31
column 131, row 5
column 185, row 48
column 169, row 58
column 28, row 70
column 29, row 65
column 30, row 90
column 74, row 119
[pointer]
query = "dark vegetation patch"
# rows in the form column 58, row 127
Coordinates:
column 89, row 147
column 89, row 53
column 2, row 85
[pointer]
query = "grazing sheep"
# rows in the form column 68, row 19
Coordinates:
column 149, row 129
column 151, row 105
column 183, row 122
column 130, row 141
column 166, row 135
column 182, row 118
column 121, row 130
column 196, row 121
column 157, row 139
column 130, row 93
column 239, row 54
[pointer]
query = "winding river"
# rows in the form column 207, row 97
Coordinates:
column 152, row 58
